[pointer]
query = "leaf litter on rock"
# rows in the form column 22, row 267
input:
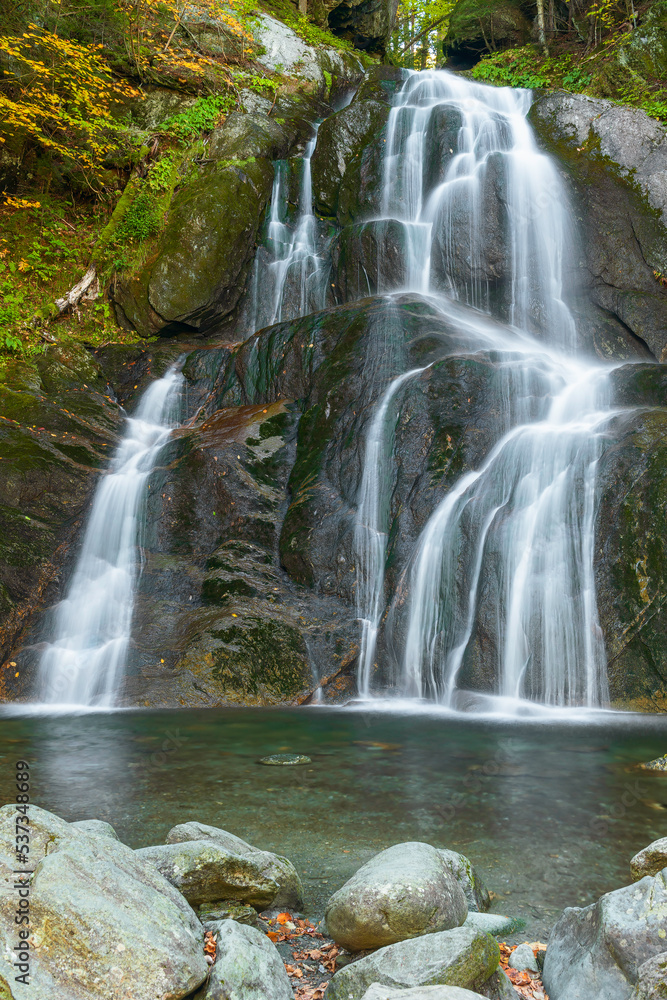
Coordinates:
column 526, row 985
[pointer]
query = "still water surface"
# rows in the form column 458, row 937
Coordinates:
column 550, row 813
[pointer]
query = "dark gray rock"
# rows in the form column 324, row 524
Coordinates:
column 630, row 553
column 596, row 953
column 616, row 162
column 369, row 258
column 403, row 892
column 347, row 162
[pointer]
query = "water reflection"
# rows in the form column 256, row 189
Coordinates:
column 551, row 814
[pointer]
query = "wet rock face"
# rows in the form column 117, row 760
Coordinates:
column 59, row 426
column 366, row 23
column 616, row 162
column 631, row 558
column 62, row 421
column 347, row 162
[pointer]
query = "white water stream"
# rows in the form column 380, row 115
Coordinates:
column 292, row 282
column 506, row 558
column 83, row 665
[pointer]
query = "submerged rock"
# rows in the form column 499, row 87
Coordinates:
column 596, row 953
column 89, row 900
column 460, row 957
column 284, row 759
column 403, row 892
column 205, row 872
column 659, row 764
column 650, row 860
column 272, row 866
column 247, row 967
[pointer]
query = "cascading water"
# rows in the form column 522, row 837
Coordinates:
column 371, row 528
column 290, row 275
column 83, row 664
column 508, row 552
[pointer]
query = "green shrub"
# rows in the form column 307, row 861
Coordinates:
column 203, row 116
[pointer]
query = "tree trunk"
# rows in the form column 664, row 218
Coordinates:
column 541, row 27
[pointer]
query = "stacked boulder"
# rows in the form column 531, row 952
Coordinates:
column 110, row 923
column 409, row 904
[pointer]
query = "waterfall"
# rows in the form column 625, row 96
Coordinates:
column 290, row 272
column 84, row 662
column 371, row 529
column 508, row 552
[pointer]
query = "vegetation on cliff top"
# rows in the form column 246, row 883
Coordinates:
column 615, row 49
column 73, row 132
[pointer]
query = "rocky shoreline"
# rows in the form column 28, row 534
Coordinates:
column 208, row 916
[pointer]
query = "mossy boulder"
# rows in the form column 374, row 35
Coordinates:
column 195, row 276
column 89, row 896
column 462, row 957
column 381, row 83
column 645, row 50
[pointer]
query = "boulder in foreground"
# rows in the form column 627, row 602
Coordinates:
column 248, row 967
column 403, row 892
column 103, row 924
column 596, row 953
column 461, row 957
column 205, row 872
column 272, row 866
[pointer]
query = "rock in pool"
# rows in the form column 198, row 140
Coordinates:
column 403, row 892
